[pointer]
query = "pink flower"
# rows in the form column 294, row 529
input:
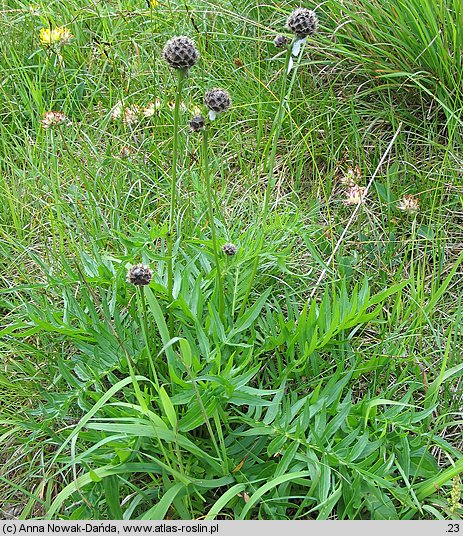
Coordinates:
column 355, row 195
column 54, row 119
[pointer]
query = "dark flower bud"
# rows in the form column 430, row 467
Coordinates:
column 197, row 123
column 229, row 249
column 217, row 100
column 281, row 41
column 139, row 275
column 302, row 22
column 180, row 53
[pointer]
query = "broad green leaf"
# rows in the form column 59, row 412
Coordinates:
column 159, row 510
column 94, row 477
column 250, row 315
column 325, row 508
column 111, row 490
column 185, row 351
column 432, row 485
column 426, row 231
column 378, row 503
column 158, row 316
column 224, row 500
column 168, row 407
column 383, row 402
column 267, row 487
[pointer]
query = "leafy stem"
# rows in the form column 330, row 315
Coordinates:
column 181, row 74
column 211, row 221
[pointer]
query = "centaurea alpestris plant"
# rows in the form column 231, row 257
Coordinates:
column 181, row 54
column 302, row 22
column 217, row 101
column 140, row 276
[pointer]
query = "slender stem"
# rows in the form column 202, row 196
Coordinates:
column 235, row 293
column 276, row 129
column 212, row 223
column 57, row 198
column 173, row 192
column 218, row 426
column 145, row 331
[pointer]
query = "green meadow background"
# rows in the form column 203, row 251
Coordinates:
column 318, row 373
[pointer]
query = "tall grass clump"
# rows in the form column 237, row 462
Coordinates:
column 410, row 47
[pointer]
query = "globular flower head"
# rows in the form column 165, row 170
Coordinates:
column 139, row 275
column 58, row 35
column 54, row 119
column 302, row 22
column 180, row 53
column 229, row 249
column 409, row 204
column 217, row 100
column 281, row 41
column 355, row 195
column 197, row 123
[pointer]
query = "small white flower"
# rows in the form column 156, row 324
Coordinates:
column 131, row 114
column 126, row 152
column 152, row 108
column 55, row 119
column 128, row 114
column 183, row 106
column 116, row 111
column 355, row 195
column 290, row 64
column 196, row 110
column 409, row 204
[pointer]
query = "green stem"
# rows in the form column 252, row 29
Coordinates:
column 145, row 331
column 173, row 192
column 219, row 426
column 431, row 485
column 275, row 134
column 57, row 198
column 212, row 223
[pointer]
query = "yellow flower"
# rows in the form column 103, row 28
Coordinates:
column 153, row 3
column 58, row 35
